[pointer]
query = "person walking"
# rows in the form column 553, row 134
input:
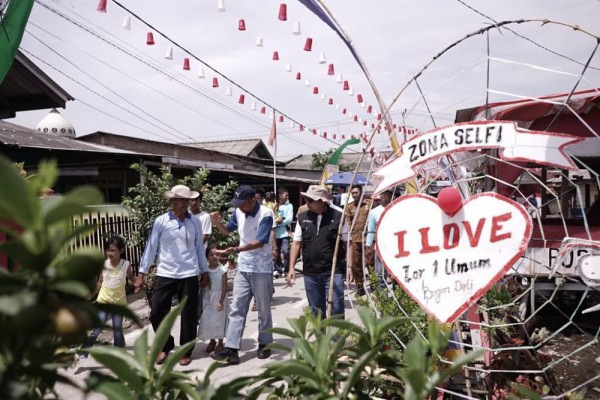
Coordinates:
column 111, row 290
column 284, row 215
column 175, row 242
column 213, row 323
column 385, row 197
column 316, row 233
column 255, row 224
column 356, row 215
column 206, row 229
column 202, row 216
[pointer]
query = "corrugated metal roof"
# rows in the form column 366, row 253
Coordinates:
column 16, row 135
column 244, row 147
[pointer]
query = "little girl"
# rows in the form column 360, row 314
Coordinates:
column 213, row 323
column 111, row 289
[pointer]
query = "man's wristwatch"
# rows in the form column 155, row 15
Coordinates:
column 237, row 250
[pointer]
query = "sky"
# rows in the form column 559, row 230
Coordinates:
column 124, row 86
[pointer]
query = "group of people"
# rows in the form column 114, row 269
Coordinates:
column 189, row 266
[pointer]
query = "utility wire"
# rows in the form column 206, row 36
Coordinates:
column 172, row 77
column 526, row 38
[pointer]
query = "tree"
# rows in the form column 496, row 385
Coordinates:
column 319, row 160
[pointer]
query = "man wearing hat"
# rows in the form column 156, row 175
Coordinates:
column 317, row 232
column 254, row 277
column 175, row 244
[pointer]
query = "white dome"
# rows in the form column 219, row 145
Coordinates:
column 55, row 124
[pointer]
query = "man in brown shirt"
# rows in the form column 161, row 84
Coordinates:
column 360, row 208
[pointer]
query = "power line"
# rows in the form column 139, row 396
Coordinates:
column 525, row 38
column 138, row 58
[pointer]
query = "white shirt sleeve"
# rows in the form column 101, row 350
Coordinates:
column 297, row 233
column 205, row 223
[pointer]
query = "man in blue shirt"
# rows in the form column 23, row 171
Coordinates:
column 175, row 246
column 255, row 224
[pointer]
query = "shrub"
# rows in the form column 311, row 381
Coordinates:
column 44, row 289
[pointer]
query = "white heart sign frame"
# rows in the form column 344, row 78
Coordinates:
column 447, row 262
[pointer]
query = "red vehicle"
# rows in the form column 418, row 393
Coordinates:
column 564, row 251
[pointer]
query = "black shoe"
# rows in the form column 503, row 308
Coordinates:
column 262, row 352
column 361, row 292
column 228, row 355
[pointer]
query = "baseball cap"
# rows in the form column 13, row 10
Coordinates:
column 242, row 194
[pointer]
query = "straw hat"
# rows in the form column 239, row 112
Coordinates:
column 181, row 192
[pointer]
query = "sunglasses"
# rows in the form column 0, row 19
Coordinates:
column 308, row 200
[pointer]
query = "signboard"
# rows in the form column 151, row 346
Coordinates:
column 543, row 261
column 514, row 143
column 446, row 262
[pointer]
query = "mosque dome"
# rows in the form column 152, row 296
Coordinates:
column 55, row 124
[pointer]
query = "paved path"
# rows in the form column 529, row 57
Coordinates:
column 288, row 302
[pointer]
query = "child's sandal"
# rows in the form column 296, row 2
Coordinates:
column 211, row 346
column 219, row 348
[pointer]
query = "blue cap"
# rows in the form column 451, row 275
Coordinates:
column 242, row 194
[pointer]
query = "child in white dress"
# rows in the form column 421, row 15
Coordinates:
column 213, row 323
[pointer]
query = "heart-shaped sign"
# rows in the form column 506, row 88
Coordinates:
column 447, row 262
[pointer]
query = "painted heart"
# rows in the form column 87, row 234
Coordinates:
column 447, row 262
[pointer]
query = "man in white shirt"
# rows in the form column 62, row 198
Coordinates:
column 202, row 216
column 255, row 224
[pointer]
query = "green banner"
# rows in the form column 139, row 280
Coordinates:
column 332, row 164
column 12, row 27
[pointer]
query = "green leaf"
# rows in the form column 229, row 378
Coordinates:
column 164, row 331
column 386, row 323
column 368, row 320
column 357, row 370
column 72, row 287
column 298, row 325
column 110, row 387
column 292, row 367
column 167, row 368
column 341, row 324
column 188, row 389
column 125, row 366
column 60, row 208
column 16, row 204
column 279, row 346
column 303, row 348
column 284, row 332
column 80, row 232
column 526, row 393
column 140, row 350
column 12, row 304
column 83, row 265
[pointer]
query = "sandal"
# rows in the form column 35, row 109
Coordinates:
column 211, row 346
column 254, row 308
column 219, row 348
